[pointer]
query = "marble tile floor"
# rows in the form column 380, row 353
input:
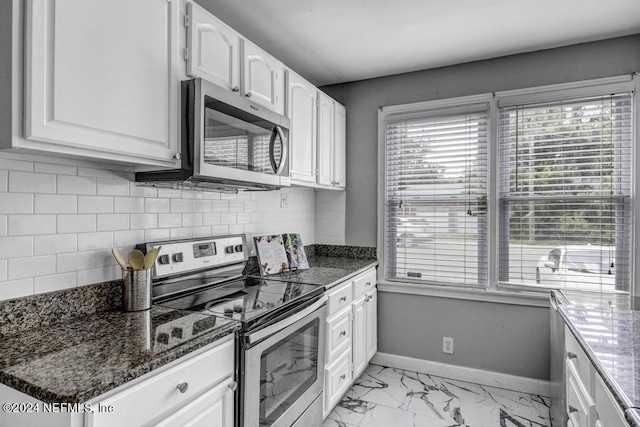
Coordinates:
column 388, row 397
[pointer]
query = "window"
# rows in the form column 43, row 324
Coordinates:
column 436, row 194
column 565, row 193
column 527, row 189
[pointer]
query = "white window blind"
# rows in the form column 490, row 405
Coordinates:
column 435, row 197
column 565, row 190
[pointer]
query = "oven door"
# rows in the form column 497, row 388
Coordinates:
column 282, row 368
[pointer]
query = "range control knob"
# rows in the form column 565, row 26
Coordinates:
column 164, row 259
column 179, row 257
column 237, row 248
column 228, row 250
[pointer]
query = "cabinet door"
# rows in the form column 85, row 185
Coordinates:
column 371, row 314
column 339, row 146
column 213, row 49
column 301, row 109
column 262, row 77
column 213, row 408
column 324, row 173
column 101, row 78
column 359, row 336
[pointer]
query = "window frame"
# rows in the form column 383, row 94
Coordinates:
column 514, row 294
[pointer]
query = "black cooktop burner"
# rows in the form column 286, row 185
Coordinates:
column 247, row 300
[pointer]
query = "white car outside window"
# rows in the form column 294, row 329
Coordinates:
column 590, row 268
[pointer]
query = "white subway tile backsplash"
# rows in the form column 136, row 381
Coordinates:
column 55, row 282
column 31, row 182
column 157, row 205
column 112, row 187
column 128, row 205
column 76, row 185
column 16, row 289
column 112, row 222
column 4, row 181
column 57, row 233
column 55, row 244
column 95, row 204
column 97, row 173
column 143, row 221
column 3, row 225
column 55, row 169
column 153, row 235
column 29, row 225
column 14, row 203
column 15, row 165
column 92, row 241
column 76, row 261
column 127, row 238
column 23, row 268
column 16, row 247
column 76, row 223
column 181, row 205
column 55, row 204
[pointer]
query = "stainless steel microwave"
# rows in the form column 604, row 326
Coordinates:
column 228, row 143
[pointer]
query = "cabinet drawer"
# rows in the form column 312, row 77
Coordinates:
column 337, row 380
column 576, row 356
column 364, row 282
column 607, row 408
column 339, row 297
column 338, row 334
column 156, row 393
column 580, row 405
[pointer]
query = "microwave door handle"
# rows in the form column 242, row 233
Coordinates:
column 277, row 168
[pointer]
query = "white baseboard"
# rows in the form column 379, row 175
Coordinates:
column 463, row 373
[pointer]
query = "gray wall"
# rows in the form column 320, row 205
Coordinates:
column 498, row 337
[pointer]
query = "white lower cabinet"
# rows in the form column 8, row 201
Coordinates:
column 351, row 335
column 589, row 401
column 196, row 391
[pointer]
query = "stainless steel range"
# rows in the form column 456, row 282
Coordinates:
column 280, row 347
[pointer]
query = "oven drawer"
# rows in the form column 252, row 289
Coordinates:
column 339, row 297
column 157, row 395
column 364, row 283
column 338, row 334
column 337, row 380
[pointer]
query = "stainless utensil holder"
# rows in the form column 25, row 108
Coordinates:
column 136, row 290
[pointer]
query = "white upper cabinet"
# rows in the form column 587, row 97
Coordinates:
column 213, row 49
column 331, row 163
column 262, row 77
column 301, row 110
column 101, row 79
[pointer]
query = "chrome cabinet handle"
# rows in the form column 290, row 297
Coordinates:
column 368, row 284
column 233, row 386
column 343, row 299
column 343, row 377
column 177, row 156
column 343, row 333
column 572, row 409
column 571, row 355
column 183, row 387
column 248, row 95
column 235, row 89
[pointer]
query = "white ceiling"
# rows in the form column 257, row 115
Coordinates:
column 334, row 41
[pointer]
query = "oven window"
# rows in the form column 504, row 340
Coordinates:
column 287, row 369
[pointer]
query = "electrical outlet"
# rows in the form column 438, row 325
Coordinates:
column 284, row 200
column 447, row 345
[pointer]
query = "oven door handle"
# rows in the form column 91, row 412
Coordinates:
column 277, row 327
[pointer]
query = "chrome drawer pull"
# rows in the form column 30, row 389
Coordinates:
column 571, row 355
column 343, row 377
column 343, row 299
column 343, row 333
column 368, row 284
column 183, row 387
column 233, row 386
column 572, row 409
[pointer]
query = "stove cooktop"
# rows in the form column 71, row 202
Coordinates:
column 247, row 299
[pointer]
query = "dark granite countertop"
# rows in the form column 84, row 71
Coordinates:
column 327, row 271
column 80, row 359
column 609, row 337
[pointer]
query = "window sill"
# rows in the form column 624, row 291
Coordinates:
column 532, row 299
